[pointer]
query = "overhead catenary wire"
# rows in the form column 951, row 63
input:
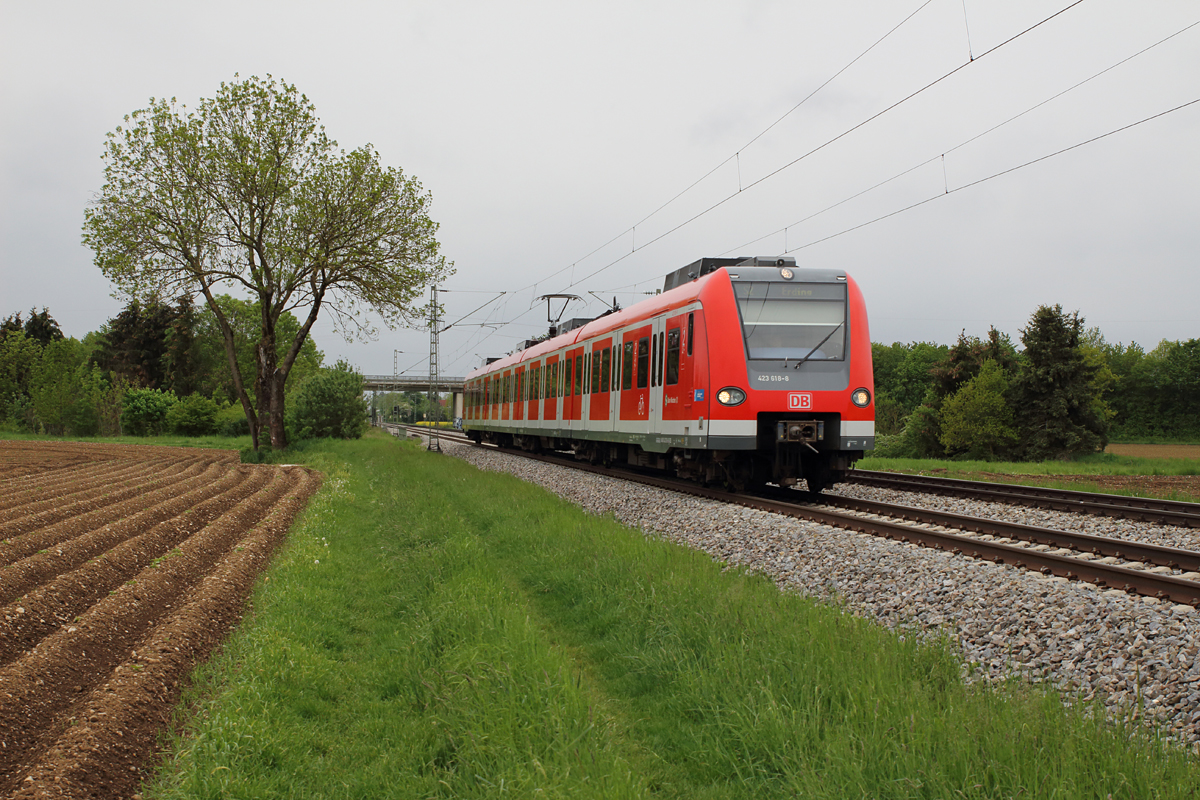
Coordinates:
column 828, row 142
column 993, row 176
column 964, row 143
column 632, row 230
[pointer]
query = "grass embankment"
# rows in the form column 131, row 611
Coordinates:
column 433, row 631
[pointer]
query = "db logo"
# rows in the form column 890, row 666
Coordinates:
column 800, row 401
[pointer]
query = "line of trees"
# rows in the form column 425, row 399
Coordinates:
column 157, row 368
column 1067, row 392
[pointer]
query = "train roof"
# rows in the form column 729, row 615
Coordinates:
column 682, row 287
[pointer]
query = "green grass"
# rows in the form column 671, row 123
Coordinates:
column 433, row 631
column 1041, row 473
column 169, row 440
column 1098, row 464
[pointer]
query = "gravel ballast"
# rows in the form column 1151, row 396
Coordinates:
column 1128, row 652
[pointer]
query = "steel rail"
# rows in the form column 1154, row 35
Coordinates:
column 1136, row 581
column 1176, row 558
column 1167, row 512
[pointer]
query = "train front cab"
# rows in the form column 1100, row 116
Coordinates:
column 790, row 356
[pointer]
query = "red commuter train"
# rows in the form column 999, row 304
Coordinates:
column 742, row 371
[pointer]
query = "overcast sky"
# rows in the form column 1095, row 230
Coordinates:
column 544, row 130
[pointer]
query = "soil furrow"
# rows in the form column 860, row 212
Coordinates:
column 50, row 605
column 141, row 511
column 62, row 481
column 44, row 683
column 106, row 753
column 50, row 481
column 94, row 494
column 11, row 529
column 70, row 549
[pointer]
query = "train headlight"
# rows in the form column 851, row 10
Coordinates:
column 731, row 396
column 861, row 398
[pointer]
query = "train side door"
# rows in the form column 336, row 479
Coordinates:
column 656, row 373
column 635, row 380
column 518, row 393
column 532, row 378
column 550, row 403
column 598, row 409
column 504, row 395
column 677, row 374
column 568, row 400
column 695, row 348
column 577, row 387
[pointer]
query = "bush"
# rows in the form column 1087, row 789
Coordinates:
column 144, row 412
column 195, row 415
column 231, row 421
column 329, row 404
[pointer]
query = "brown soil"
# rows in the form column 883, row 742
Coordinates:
column 1172, row 487
column 1155, row 450
column 121, row 568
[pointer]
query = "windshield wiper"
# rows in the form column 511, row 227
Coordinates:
column 818, row 347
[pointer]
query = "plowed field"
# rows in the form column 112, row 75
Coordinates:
column 121, row 568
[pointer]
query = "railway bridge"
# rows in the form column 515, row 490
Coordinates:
column 418, row 383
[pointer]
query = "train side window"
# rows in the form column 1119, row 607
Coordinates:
column 578, row 375
column 673, row 357
column 627, row 367
column 643, row 362
column 597, row 376
column 605, row 369
column 691, row 320
column 662, row 356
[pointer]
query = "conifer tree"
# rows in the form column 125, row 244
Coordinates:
column 1059, row 404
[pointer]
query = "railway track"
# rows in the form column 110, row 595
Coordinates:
column 1151, row 570
column 1142, row 509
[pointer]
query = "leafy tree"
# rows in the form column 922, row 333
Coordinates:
column 213, row 376
column 133, row 344
column 65, row 391
column 194, row 415
column 922, row 436
column 145, row 411
column 19, row 356
column 1062, row 411
column 248, row 191
column 330, row 404
column 903, row 373
column 978, row 418
column 40, row 327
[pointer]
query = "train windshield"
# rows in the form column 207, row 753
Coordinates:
column 793, row 321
